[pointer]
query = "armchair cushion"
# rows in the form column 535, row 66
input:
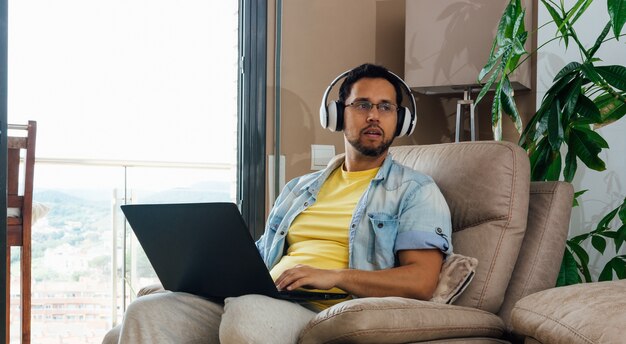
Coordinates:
column 456, row 274
column 398, row 320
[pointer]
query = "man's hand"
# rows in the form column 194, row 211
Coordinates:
column 304, row 276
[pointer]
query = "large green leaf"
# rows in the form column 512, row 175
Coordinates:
column 600, row 39
column 493, row 59
column 622, row 212
column 617, row 264
column 555, row 129
column 620, row 267
column 607, row 272
column 554, row 166
column 581, row 11
column 570, row 68
column 615, row 75
column 617, row 11
column 558, row 20
column 508, row 103
column 540, row 161
column 593, row 136
column 587, row 110
column 603, row 99
column 519, row 35
column 574, row 11
column 570, row 166
column 519, row 10
column 599, row 243
column 609, row 234
column 621, row 237
column 577, row 194
column 527, row 136
column 611, row 108
column 504, row 27
column 558, row 86
column 604, row 223
column 571, row 99
column 590, row 72
column 579, row 238
column 613, row 112
column 542, row 126
column 583, row 258
column 586, row 149
column 518, row 48
column 568, row 274
column 494, row 76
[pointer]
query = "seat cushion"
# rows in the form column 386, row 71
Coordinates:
column 582, row 313
column 486, row 185
column 398, row 320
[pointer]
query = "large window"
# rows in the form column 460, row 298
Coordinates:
column 135, row 101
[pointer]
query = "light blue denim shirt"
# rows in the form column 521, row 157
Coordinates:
column 401, row 209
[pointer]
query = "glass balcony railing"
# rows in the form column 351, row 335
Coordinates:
column 86, row 263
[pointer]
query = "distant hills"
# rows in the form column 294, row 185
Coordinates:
column 82, row 219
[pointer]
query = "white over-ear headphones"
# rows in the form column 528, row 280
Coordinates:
column 331, row 115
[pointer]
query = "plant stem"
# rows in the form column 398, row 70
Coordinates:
column 608, row 39
column 534, row 52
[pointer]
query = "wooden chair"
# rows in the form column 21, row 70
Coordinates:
column 20, row 149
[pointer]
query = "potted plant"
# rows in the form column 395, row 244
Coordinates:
column 584, row 95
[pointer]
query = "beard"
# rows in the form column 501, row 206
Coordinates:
column 370, row 151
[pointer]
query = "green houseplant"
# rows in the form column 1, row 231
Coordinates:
column 584, row 96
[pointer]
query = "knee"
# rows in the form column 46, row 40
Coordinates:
column 261, row 319
column 240, row 321
column 113, row 336
column 143, row 306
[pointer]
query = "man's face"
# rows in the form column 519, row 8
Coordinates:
column 370, row 132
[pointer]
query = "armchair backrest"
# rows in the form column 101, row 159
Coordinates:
column 486, row 185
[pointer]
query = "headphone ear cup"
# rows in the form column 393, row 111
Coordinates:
column 340, row 111
column 405, row 123
column 400, row 123
column 335, row 116
column 324, row 116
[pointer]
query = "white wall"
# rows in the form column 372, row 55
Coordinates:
column 608, row 188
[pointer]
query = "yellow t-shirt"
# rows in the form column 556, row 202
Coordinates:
column 318, row 236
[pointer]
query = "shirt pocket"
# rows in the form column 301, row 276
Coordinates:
column 383, row 232
column 270, row 238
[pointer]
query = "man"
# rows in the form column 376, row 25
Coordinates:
column 365, row 225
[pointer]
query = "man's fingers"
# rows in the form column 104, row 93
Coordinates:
column 292, row 278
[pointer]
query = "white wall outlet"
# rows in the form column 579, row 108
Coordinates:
column 321, row 155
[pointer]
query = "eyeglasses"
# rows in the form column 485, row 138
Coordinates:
column 364, row 106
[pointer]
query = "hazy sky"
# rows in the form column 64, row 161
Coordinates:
column 131, row 79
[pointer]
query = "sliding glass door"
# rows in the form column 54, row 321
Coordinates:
column 136, row 102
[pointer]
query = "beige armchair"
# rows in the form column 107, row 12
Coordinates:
column 516, row 229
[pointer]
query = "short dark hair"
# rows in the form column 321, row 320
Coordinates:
column 368, row 70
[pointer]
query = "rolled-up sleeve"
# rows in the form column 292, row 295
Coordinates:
column 425, row 221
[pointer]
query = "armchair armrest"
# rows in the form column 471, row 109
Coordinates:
column 398, row 320
column 581, row 313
